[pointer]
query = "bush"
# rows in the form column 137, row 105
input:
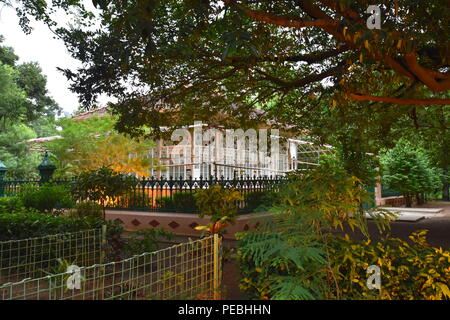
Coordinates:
column 300, row 255
column 218, row 202
column 180, row 202
column 416, row 271
column 102, row 184
column 87, row 209
column 260, row 201
column 31, row 224
column 11, row 204
column 47, row 198
column 136, row 200
column 288, row 256
column 145, row 240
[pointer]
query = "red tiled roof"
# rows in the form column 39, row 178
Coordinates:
column 85, row 115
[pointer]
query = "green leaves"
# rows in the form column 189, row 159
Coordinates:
column 218, row 202
column 408, row 170
column 47, row 198
column 102, row 185
column 92, row 143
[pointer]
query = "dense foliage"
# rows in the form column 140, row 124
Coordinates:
column 146, row 240
column 178, row 202
column 48, row 198
column 93, row 143
column 408, row 270
column 84, row 209
column 102, row 185
column 218, row 202
column 11, row 205
column 408, row 170
column 28, row 224
column 26, row 112
column 289, row 256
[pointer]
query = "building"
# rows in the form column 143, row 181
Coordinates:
column 201, row 151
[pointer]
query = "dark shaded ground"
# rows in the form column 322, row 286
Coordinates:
column 438, row 235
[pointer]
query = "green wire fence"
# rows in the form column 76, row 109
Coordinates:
column 189, row 270
column 34, row 257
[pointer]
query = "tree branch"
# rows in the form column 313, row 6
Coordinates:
column 302, row 81
column 427, row 77
column 309, row 58
column 412, row 101
column 283, row 20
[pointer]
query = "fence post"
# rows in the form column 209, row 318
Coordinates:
column 217, row 266
column 103, row 245
column 46, row 169
column 3, row 170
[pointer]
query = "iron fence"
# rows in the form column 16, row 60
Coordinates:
column 175, row 194
column 189, row 270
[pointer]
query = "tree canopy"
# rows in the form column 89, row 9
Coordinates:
column 202, row 57
column 408, row 170
column 93, row 143
column 27, row 111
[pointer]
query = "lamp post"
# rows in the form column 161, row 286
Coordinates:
column 46, row 169
column 3, row 170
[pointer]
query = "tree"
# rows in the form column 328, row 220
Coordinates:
column 204, row 58
column 15, row 153
column 92, row 144
column 33, row 82
column 7, row 55
column 429, row 128
column 28, row 99
column 12, row 98
column 408, row 170
column 101, row 185
column 26, row 112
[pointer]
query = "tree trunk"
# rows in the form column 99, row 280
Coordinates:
column 408, row 200
column 420, row 198
column 446, row 187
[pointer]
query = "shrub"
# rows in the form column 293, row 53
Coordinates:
column 11, row 204
column 145, row 240
column 416, row 271
column 260, row 201
column 288, row 257
column 338, row 270
column 87, row 209
column 31, row 224
column 220, row 204
column 180, row 202
column 102, row 184
column 136, row 200
column 47, row 198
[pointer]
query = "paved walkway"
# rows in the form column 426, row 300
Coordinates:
column 438, row 225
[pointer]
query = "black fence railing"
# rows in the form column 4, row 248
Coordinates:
column 174, row 194
column 13, row 188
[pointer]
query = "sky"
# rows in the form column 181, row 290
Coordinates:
column 50, row 53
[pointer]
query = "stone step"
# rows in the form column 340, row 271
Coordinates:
column 411, row 210
column 405, row 216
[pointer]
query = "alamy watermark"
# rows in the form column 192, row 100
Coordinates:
column 374, row 21
column 241, row 147
column 74, row 281
column 374, row 279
